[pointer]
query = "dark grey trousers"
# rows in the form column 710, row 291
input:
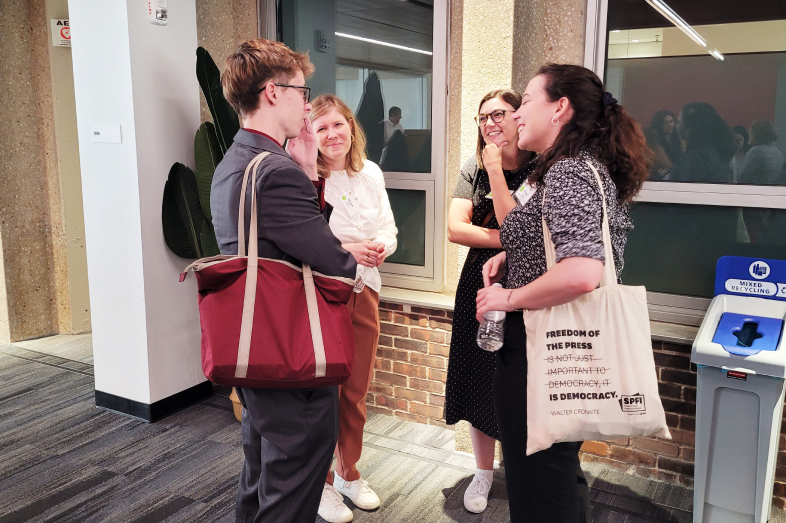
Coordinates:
column 288, row 442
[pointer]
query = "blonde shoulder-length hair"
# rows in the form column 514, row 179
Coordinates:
column 322, row 105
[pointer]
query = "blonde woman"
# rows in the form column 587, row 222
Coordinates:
column 363, row 221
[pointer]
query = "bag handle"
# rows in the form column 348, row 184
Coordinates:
column 609, row 270
column 241, row 216
column 249, row 297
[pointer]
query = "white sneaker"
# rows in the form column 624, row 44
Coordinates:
column 358, row 491
column 476, row 497
column 332, row 508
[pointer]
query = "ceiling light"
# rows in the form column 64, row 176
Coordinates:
column 677, row 20
column 717, row 54
column 616, row 30
column 635, row 40
column 386, row 44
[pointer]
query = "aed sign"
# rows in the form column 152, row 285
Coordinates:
column 762, row 278
column 61, row 33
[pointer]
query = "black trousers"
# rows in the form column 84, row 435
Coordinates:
column 288, row 442
column 548, row 486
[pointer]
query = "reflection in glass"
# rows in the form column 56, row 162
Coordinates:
column 376, row 56
column 409, row 210
column 674, row 248
column 698, row 109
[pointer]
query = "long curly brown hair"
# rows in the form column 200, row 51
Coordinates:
column 606, row 130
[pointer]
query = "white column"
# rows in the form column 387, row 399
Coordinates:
column 139, row 76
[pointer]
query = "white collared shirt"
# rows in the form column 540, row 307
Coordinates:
column 373, row 219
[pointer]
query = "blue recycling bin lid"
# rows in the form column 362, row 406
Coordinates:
column 745, row 335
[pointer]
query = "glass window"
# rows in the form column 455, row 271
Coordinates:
column 409, row 209
column 674, row 248
column 376, row 55
column 706, row 79
column 386, row 59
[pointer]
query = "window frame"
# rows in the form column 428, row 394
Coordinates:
column 431, row 276
column 674, row 308
column 399, row 271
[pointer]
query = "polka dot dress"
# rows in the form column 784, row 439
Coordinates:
column 471, row 369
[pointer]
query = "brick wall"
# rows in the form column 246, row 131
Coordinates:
column 412, row 363
column 409, row 383
column 667, row 460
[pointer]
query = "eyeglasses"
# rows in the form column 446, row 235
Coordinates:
column 496, row 116
column 306, row 90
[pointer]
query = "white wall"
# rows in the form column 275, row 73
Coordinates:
column 129, row 72
column 166, row 110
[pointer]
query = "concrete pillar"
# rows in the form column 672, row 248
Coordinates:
column 34, row 288
column 222, row 25
column 546, row 31
column 140, row 77
column 75, row 315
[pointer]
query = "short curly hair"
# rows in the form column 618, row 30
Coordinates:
column 254, row 63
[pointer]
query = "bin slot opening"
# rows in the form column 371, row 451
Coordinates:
column 748, row 334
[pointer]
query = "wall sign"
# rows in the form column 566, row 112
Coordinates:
column 61, row 33
column 106, row 133
column 762, row 278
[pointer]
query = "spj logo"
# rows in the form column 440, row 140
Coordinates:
column 759, row 270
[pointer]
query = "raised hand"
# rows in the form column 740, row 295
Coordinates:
column 304, row 148
column 492, row 157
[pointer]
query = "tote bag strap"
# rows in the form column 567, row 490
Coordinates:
column 609, row 270
column 241, row 215
column 249, row 298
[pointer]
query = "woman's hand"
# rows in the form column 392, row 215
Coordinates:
column 381, row 250
column 492, row 157
column 495, row 269
column 491, row 299
column 365, row 253
column 304, row 150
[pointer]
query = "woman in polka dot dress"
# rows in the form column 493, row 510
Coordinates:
column 471, row 222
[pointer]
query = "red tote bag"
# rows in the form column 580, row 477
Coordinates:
column 268, row 323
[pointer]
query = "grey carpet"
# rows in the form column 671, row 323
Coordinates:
column 64, row 460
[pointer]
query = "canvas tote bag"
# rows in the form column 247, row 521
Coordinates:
column 268, row 323
column 591, row 373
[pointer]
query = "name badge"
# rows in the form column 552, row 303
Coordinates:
column 524, row 193
column 351, row 203
column 490, row 197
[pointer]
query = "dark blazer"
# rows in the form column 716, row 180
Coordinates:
column 290, row 225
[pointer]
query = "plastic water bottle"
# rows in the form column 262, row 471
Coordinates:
column 491, row 332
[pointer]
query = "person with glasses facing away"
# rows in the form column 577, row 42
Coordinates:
column 363, row 220
column 577, row 129
column 472, row 223
column 288, row 434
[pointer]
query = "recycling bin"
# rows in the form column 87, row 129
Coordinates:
column 741, row 366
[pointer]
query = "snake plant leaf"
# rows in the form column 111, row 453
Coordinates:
column 207, row 155
column 208, row 240
column 181, row 214
column 224, row 117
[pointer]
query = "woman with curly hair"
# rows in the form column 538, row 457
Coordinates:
column 591, row 155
